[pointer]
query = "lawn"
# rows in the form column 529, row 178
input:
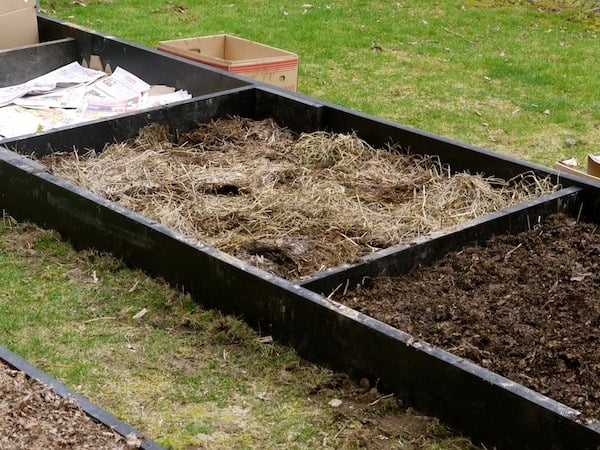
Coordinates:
column 186, row 377
column 518, row 77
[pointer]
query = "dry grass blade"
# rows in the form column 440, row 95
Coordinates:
column 289, row 204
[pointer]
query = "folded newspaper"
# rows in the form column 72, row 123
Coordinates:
column 73, row 94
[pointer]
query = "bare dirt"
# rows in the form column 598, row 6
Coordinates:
column 34, row 417
column 525, row 306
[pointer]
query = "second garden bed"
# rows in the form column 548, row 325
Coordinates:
column 524, row 306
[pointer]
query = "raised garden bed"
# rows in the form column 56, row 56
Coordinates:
column 289, row 204
column 492, row 409
column 524, row 306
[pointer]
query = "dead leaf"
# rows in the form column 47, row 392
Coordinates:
column 580, row 276
column 132, row 441
column 262, row 396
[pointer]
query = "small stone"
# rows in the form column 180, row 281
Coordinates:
column 335, row 403
column 364, row 384
column 570, row 142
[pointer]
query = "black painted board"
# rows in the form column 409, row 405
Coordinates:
column 25, row 63
column 302, row 115
column 487, row 407
column 91, row 409
column 152, row 66
column 460, row 156
column 423, row 251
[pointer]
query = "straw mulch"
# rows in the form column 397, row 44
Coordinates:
column 289, row 204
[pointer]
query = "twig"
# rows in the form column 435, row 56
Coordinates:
column 383, row 397
column 511, row 251
column 99, row 318
column 454, row 33
column 334, row 291
column 339, row 432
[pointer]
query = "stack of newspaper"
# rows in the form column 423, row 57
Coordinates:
column 74, row 94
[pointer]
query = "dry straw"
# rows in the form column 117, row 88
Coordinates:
column 290, row 204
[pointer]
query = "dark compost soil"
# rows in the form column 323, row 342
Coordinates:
column 525, row 306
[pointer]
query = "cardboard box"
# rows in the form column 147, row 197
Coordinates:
column 241, row 56
column 593, row 165
column 7, row 6
column 18, row 23
column 570, row 166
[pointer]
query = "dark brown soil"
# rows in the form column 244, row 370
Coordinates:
column 33, row 417
column 525, row 306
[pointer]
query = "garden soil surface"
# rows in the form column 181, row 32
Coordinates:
column 525, row 306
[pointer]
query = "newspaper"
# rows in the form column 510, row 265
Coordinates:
column 74, row 94
column 67, row 76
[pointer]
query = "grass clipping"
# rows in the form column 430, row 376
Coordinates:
column 292, row 205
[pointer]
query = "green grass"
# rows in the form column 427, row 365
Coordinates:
column 518, row 77
column 185, row 376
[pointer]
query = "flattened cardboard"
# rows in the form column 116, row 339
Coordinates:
column 19, row 28
column 7, row 6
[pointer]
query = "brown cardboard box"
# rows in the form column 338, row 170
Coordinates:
column 593, row 165
column 570, row 166
column 7, row 6
column 241, row 56
column 18, row 23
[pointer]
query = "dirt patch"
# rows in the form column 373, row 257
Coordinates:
column 290, row 204
column 524, row 306
column 370, row 419
column 33, row 416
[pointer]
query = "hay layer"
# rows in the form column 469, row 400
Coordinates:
column 289, row 204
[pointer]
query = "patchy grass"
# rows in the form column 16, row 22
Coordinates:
column 185, row 376
column 517, row 77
